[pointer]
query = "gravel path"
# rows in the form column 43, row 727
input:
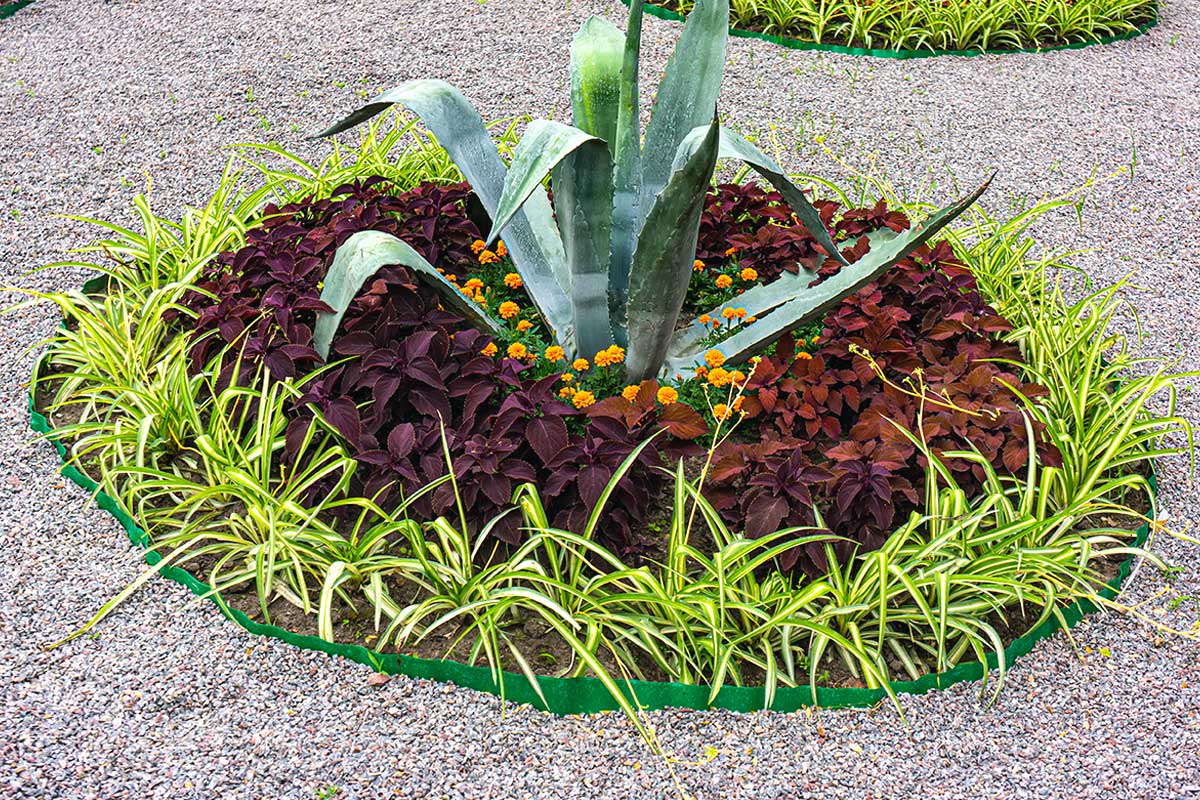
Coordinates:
column 178, row 703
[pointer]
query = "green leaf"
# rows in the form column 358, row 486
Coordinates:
column 596, row 56
column 662, row 262
column 812, row 303
column 361, row 257
column 627, row 176
column 532, row 237
column 583, row 199
column 734, row 145
column 687, row 94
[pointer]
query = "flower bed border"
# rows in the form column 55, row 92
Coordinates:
column 800, row 44
column 8, row 9
column 582, row 695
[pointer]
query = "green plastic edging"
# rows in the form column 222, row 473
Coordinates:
column 8, row 9
column 800, row 44
column 583, row 695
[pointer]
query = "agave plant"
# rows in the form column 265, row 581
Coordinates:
column 610, row 262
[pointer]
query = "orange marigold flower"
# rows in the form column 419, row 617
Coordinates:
column 478, row 245
column 602, row 359
column 740, row 313
column 804, row 355
column 501, row 250
column 727, row 313
column 724, row 281
column 616, row 353
column 566, row 392
column 738, row 377
column 737, row 403
column 719, row 376
column 580, row 364
column 816, row 340
column 567, row 377
column 721, row 411
column 490, row 350
column 524, row 325
column 517, row 350
column 749, row 274
column 473, row 285
column 714, row 358
column 751, row 319
column 698, row 265
column 716, row 323
column 630, row 392
column 701, row 371
column 705, row 319
column 583, row 399
column 509, row 309
column 555, row 353
column 513, row 281
column 666, row 395
column 488, row 257
column 731, row 251
column 479, row 298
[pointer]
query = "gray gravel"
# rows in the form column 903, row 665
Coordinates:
column 179, row 703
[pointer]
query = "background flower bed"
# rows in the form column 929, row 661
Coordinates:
column 933, row 26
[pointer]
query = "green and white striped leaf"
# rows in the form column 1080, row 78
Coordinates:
column 627, row 175
column 734, row 145
column 532, row 237
column 815, row 301
column 662, row 261
column 687, row 94
column 361, row 257
column 597, row 52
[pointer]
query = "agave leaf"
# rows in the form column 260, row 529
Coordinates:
column 688, row 91
column 734, row 145
column 627, row 175
column 583, row 198
column 662, row 261
column 361, row 257
column 531, row 237
column 544, row 144
column 813, row 302
column 596, row 56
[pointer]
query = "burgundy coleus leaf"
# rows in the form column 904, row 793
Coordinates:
column 547, row 436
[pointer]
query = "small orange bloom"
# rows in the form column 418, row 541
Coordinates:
column 737, row 403
column 719, row 376
column 567, row 377
column 714, row 358
column 751, row 319
column 701, row 371
column 698, row 265
column 513, row 281
column 501, row 250
column 474, row 284
column 490, row 350
column 705, row 319
column 630, row 392
column 478, row 245
column 738, row 377
column 749, row 274
column 739, row 313
column 583, row 399
column 580, row 364
column 721, row 411
column 730, row 251
column 666, row 395
column 517, row 350
column 616, row 353
column 804, row 355
column 566, row 392
column 602, row 359
column 524, row 325
column 509, row 309
column 555, row 353
column 488, row 257
column 724, row 281
column 727, row 313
